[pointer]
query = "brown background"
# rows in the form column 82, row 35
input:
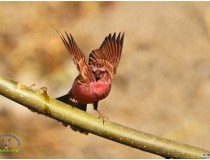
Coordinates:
column 162, row 85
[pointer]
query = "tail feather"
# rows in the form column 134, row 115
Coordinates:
column 68, row 99
column 64, row 98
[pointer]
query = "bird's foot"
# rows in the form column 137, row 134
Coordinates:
column 103, row 117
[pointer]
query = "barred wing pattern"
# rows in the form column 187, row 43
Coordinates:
column 109, row 52
column 77, row 56
column 108, row 55
column 72, row 47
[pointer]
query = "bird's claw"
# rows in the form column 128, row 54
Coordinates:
column 103, row 117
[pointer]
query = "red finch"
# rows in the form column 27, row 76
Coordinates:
column 95, row 76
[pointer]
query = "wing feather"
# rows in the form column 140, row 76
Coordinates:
column 77, row 56
column 110, row 51
column 84, row 71
column 72, row 47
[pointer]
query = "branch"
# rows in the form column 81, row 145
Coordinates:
column 39, row 101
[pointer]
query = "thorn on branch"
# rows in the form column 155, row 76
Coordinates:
column 19, row 85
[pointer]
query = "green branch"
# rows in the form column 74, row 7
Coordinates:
column 39, row 101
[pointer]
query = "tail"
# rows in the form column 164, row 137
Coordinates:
column 69, row 100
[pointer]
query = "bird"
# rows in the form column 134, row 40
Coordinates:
column 95, row 75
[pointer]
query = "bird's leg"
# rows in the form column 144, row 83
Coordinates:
column 95, row 106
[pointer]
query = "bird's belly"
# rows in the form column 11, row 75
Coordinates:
column 90, row 93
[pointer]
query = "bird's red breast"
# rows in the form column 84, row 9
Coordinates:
column 93, row 91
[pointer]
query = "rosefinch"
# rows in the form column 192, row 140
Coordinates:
column 95, row 77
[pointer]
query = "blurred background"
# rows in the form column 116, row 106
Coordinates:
column 162, row 85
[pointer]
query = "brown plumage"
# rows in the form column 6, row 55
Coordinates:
column 94, row 80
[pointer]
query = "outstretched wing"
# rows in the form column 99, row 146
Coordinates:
column 109, row 53
column 77, row 56
column 84, row 71
column 72, row 47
